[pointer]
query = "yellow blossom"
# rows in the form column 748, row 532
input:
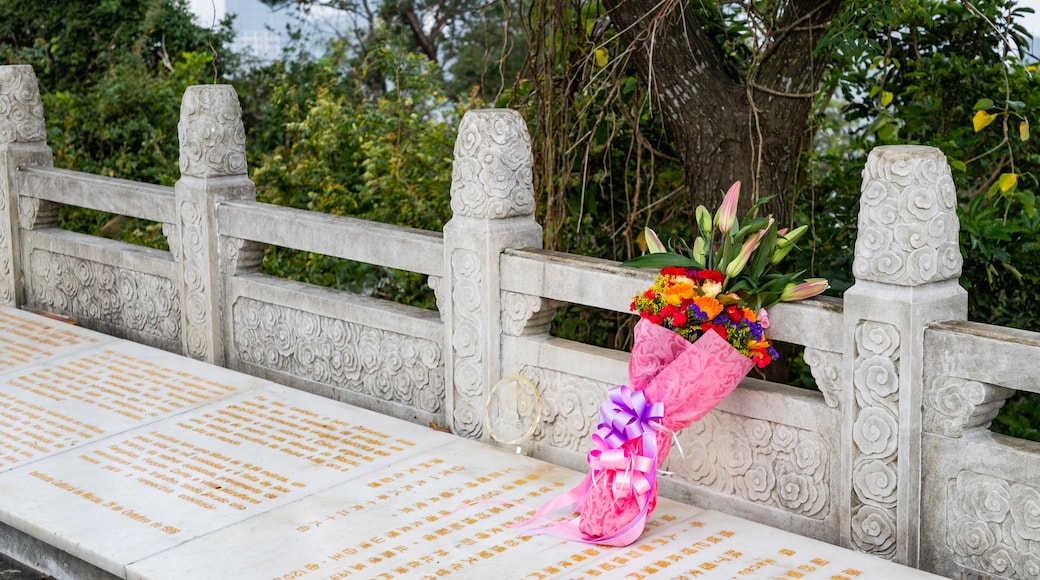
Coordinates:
column 680, row 289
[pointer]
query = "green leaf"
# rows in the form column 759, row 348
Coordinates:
column 983, row 104
column 888, row 132
column 663, row 260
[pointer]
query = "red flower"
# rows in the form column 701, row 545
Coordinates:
column 735, row 313
column 719, row 329
column 673, row 271
column 653, row 318
column 761, row 358
column 649, row 294
column 713, row 275
column 679, row 319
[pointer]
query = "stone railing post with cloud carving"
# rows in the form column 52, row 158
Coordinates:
column 492, row 201
column 907, row 265
column 213, row 169
column 23, row 142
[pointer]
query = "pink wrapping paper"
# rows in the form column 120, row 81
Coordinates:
column 688, row 380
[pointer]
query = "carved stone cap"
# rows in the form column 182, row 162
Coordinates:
column 492, row 177
column 213, row 141
column 21, row 110
column 908, row 223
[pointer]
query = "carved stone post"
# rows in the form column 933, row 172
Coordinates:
column 906, row 266
column 492, row 200
column 213, row 169
column 23, row 141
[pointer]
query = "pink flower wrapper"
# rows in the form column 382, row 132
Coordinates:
column 689, row 380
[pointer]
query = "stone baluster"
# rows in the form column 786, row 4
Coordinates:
column 213, row 169
column 492, row 200
column 907, row 265
column 23, row 142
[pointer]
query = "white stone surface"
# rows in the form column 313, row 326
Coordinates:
column 250, row 479
column 130, row 495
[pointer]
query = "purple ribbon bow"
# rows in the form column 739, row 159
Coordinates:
column 625, row 416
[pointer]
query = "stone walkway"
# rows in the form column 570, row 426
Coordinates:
column 121, row 461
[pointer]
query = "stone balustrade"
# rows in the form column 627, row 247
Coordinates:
column 891, row 457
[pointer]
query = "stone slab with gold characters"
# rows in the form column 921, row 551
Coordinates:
column 445, row 514
column 152, row 466
column 62, row 386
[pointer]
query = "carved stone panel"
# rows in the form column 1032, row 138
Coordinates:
column 491, row 177
column 21, row 109
column 195, row 267
column 570, row 407
column 467, row 340
column 213, row 140
column 954, row 406
column 993, row 525
column 381, row 364
column 907, row 221
column 875, row 435
column 144, row 303
column 758, row 461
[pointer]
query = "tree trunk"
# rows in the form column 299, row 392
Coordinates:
column 725, row 128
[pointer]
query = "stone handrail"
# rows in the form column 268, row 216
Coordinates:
column 108, row 194
column 397, row 247
column 891, row 457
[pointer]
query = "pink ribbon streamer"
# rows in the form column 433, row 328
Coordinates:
column 626, row 417
column 630, row 471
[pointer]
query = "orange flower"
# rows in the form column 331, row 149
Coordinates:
column 680, row 289
column 708, row 306
column 758, row 344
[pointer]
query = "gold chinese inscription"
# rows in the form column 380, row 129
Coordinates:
column 26, row 340
column 121, row 384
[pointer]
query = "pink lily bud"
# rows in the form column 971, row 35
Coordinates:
column 737, row 264
column 728, row 210
column 811, row 287
column 653, row 243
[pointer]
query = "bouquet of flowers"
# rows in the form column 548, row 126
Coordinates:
column 701, row 330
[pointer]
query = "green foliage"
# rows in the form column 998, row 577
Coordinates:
column 111, row 76
column 604, row 168
column 368, row 129
column 901, row 80
column 71, row 43
column 1020, row 417
column 124, row 125
column 385, row 158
